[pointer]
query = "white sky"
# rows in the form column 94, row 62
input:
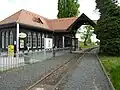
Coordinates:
column 46, row 8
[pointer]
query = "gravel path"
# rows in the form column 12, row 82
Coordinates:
column 87, row 75
column 22, row 77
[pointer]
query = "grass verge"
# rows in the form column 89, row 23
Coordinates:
column 112, row 66
column 88, row 46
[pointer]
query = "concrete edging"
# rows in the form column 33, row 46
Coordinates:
column 110, row 83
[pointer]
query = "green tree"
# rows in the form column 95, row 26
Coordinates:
column 87, row 34
column 108, row 27
column 67, row 8
column 97, row 42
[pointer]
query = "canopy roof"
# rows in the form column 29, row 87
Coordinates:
column 31, row 19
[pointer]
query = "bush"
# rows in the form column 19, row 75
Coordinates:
column 110, row 47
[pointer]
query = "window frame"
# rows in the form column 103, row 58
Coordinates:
column 6, row 39
column 34, row 40
column 3, row 39
column 29, row 39
column 43, row 37
column 11, row 38
column 39, row 40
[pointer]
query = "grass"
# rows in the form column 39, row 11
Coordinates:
column 82, row 45
column 112, row 66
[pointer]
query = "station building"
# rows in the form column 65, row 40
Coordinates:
column 34, row 28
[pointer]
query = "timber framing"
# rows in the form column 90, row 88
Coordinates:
column 37, row 28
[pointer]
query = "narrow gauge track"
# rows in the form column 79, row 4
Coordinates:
column 51, row 79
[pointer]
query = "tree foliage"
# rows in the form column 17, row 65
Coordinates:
column 108, row 27
column 68, row 8
column 87, row 34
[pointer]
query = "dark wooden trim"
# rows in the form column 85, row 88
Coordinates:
column 9, row 25
column 82, row 19
column 0, row 39
column 35, row 28
column 27, row 29
column 7, row 29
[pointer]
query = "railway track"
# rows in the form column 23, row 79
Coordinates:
column 50, row 80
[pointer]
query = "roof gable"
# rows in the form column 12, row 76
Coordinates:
column 81, row 20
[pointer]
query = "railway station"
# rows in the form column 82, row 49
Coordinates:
column 37, row 53
column 29, row 31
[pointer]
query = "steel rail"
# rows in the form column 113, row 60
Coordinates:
column 50, row 73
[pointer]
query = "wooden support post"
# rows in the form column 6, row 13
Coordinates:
column 74, row 43
column 44, row 47
column 70, row 44
column 63, row 39
column 53, row 47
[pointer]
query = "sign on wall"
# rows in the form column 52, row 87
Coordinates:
column 48, row 42
column 11, row 50
column 22, row 35
column 21, row 43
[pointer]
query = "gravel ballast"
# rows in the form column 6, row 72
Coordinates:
column 86, row 75
column 21, row 78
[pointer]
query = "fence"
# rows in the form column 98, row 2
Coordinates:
column 23, row 58
column 9, row 61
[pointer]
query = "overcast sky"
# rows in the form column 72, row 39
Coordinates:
column 46, row 8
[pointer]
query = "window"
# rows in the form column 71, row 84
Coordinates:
column 47, row 36
column 11, row 38
column 39, row 40
column 6, row 39
column 34, row 40
column 43, row 40
column 3, row 35
column 38, row 20
column 29, row 40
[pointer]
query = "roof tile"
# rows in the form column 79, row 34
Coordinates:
column 26, row 17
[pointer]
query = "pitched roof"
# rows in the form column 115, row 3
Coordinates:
column 28, row 18
column 61, row 24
